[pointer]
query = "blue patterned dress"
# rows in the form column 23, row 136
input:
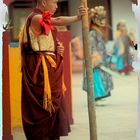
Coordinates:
column 102, row 80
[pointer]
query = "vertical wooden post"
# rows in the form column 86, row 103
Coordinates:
column 6, row 85
column 89, row 72
column 6, row 89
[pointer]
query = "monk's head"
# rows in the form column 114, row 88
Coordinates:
column 47, row 5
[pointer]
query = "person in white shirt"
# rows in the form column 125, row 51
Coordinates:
column 136, row 64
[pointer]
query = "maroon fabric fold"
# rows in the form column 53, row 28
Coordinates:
column 37, row 122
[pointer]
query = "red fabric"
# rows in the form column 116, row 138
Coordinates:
column 127, row 69
column 45, row 22
column 65, row 38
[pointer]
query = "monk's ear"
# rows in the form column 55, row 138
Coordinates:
column 43, row 3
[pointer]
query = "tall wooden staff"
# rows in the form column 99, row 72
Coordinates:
column 89, row 71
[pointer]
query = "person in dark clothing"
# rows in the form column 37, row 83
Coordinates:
column 43, row 107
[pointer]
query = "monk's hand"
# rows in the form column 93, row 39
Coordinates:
column 81, row 12
column 60, row 48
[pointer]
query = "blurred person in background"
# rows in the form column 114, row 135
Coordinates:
column 77, row 51
column 122, row 54
column 103, row 83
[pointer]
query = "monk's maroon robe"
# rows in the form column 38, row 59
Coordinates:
column 38, row 124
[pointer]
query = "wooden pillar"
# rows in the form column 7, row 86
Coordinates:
column 89, row 74
column 6, row 89
column 7, row 135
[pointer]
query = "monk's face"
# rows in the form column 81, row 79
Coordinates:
column 135, row 1
column 50, row 5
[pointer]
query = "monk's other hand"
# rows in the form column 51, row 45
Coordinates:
column 60, row 49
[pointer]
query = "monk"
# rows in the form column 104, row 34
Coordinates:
column 43, row 107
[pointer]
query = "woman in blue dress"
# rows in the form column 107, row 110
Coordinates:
column 102, row 80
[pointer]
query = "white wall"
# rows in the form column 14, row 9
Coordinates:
column 122, row 9
column 76, row 27
column 136, row 10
